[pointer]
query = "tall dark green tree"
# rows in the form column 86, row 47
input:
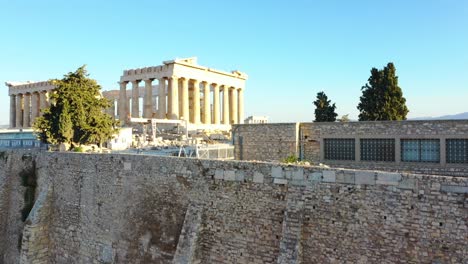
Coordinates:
column 76, row 114
column 382, row 98
column 324, row 110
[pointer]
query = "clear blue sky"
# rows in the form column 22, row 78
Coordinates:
column 290, row 49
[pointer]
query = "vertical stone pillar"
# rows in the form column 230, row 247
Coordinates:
column 226, row 105
column 19, row 110
column 206, row 104
column 27, row 110
column 128, row 111
column 148, row 100
column 240, row 98
column 135, row 99
column 43, row 101
column 174, row 98
column 34, row 106
column 185, row 99
column 196, row 102
column 111, row 110
column 162, row 99
column 169, row 99
column 12, row 111
column 181, row 110
column 216, row 104
column 233, row 105
column 123, row 107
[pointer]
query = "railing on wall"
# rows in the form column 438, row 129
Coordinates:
column 21, row 144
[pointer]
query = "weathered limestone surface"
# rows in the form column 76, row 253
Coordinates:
column 265, row 142
column 11, row 203
column 142, row 209
column 35, row 246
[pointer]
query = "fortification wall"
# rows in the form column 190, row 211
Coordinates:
column 312, row 135
column 257, row 141
column 12, row 193
column 265, row 142
column 121, row 208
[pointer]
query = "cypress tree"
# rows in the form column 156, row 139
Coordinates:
column 76, row 114
column 382, row 98
column 324, row 110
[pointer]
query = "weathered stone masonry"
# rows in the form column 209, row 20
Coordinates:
column 141, row 209
column 266, row 142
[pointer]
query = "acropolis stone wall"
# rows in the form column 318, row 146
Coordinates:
column 267, row 142
column 147, row 209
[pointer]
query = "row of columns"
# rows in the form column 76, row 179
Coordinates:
column 174, row 101
column 25, row 108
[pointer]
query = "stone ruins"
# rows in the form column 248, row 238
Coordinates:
column 26, row 102
column 397, row 193
column 185, row 90
column 92, row 208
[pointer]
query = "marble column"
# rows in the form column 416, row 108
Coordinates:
column 19, row 110
column 135, row 99
column 179, row 84
column 233, row 105
column 43, row 101
column 240, row 98
column 123, row 103
column 162, row 99
column 34, row 106
column 216, row 104
column 196, row 102
column 169, row 99
column 148, row 100
column 12, row 111
column 27, row 110
column 226, row 105
column 206, row 104
column 174, row 98
column 185, row 99
column 111, row 110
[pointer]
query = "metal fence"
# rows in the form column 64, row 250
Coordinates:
column 21, row 144
column 219, row 151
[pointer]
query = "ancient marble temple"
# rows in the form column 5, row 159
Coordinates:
column 181, row 89
column 178, row 89
column 27, row 101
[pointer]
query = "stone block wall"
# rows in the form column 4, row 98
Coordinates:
column 313, row 134
column 11, row 203
column 4, row 186
column 265, row 142
column 148, row 209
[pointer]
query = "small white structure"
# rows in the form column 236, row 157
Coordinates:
column 121, row 141
column 256, row 120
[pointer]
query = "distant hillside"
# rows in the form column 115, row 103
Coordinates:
column 445, row 117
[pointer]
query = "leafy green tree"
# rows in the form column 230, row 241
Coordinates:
column 324, row 110
column 76, row 114
column 382, row 98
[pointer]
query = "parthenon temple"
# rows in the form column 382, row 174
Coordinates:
column 195, row 93
column 184, row 90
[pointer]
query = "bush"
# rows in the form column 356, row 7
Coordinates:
column 78, row 149
column 290, row 159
